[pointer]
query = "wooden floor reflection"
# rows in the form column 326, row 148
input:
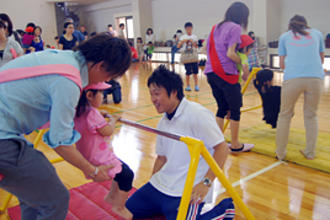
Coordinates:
column 286, row 191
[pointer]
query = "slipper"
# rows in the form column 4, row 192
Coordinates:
column 308, row 158
column 244, row 148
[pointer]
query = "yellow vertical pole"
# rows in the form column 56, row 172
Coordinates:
column 222, row 178
column 194, row 147
column 37, row 140
column 246, row 84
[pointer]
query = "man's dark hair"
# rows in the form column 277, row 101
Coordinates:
column 171, row 81
column 122, row 25
column 238, row 13
column 114, row 52
column 188, row 24
column 5, row 17
column 109, row 25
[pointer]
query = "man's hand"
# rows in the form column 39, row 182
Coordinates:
column 102, row 175
column 199, row 192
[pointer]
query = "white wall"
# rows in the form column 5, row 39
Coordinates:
column 317, row 13
column 170, row 15
column 40, row 12
column 98, row 16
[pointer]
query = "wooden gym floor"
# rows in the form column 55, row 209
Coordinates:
column 271, row 189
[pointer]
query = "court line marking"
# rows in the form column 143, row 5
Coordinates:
column 252, row 176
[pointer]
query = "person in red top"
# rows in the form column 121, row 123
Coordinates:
column 135, row 56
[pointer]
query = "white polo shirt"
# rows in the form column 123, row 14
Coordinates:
column 194, row 120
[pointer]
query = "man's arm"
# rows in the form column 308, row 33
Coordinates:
column 200, row 190
column 159, row 163
column 74, row 157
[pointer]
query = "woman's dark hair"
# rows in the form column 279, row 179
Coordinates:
column 4, row 17
column 262, row 77
column 114, row 52
column 238, row 13
column 37, row 27
column 170, row 80
column 83, row 102
column 188, row 24
column 298, row 24
column 149, row 29
column 66, row 24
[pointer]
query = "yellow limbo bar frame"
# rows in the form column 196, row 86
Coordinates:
column 196, row 148
column 254, row 71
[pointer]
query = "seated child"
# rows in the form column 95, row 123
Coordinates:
column 135, row 57
column 244, row 49
column 95, row 131
column 270, row 95
column 115, row 90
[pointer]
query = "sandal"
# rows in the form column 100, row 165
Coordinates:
column 244, row 148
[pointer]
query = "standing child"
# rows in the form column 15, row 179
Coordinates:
column 139, row 46
column 94, row 130
column 150, row 50
column 189, row 55
column 135, row 56
column 243, row 52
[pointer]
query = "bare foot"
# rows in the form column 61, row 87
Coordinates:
column 308, row 158
column 122, row 212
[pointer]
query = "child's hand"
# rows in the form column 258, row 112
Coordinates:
column 245, row 76
column 104, row 113
column 115, row 118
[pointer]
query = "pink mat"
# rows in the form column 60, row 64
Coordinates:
column 86, row 203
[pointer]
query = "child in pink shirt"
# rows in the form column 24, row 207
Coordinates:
column 95, row 133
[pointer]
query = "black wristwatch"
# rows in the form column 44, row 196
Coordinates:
column 207, row 182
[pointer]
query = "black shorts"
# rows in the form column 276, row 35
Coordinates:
column 191, row 68
column 125, row 178
column 228, row 96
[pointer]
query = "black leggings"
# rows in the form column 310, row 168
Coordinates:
column 125, row 178
column 228, row 96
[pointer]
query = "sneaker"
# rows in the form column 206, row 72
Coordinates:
column 196, row 88
column 188, row 89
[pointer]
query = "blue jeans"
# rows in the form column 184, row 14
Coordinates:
column 173, row 51
column 148, row 202
column 33, row 180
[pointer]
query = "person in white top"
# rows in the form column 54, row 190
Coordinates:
column 189, row 46
column 162, row 194
column 150, row 37
column 121, row 33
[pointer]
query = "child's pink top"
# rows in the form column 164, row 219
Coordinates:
column 93, row 145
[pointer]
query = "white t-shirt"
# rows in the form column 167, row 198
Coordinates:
column 149, row 38
column 194, row 120
column 192, row 37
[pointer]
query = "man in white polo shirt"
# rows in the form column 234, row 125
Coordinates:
column 162, row 194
